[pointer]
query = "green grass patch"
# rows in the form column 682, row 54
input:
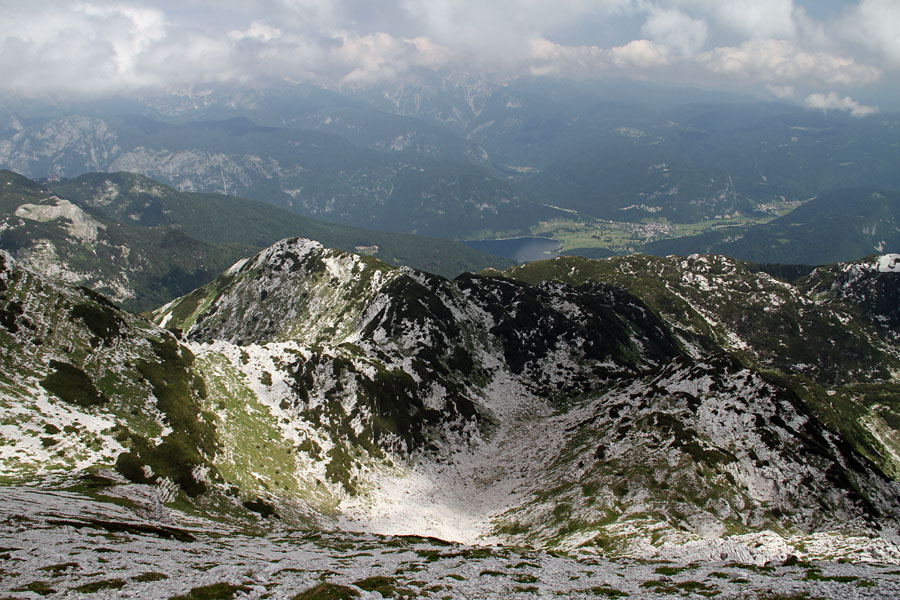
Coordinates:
column 681, row 588
column 751, row 567
column 60, row 568
column 328, row 591
column 193, row 437
column 429, row 556
column 41, row 588
column 98, row 586
column 665, row 570
column 386, row 586
column 607, row 591
column 216, row 591
column 72, row 385
column 790, row 596
column 104, row 323
column 816, row 575
column 490, row 573
column 150, row 576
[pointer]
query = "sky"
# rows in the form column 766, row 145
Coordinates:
column 827, row 54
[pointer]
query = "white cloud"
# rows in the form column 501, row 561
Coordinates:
column 676, row 31
column 82, row 46
column 832, row 101
column 751, row 19
column 779, row 61
column 257, row 31
column 551, row 59
column 501, row 30
column 100, row 48
column 378, row 57
column 785, row 92
column 641, row 54
column 876, row 25
column 104, row 46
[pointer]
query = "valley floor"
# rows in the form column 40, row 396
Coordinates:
column 65, row 544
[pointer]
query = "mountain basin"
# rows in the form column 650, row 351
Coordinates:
column 522, row 249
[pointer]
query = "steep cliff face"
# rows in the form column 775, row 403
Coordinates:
column 329, row 388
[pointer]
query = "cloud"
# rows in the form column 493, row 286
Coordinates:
column 675, row 30
column 257, row 31
column 750, row 19
column 98, row 47
column 80, row 45
column 783, row 62
column 501, row 31
column 640, row 54
column 551, row 59
column 833, row 101
column 101, row 48
column 378, row 57
column 785, row 92
column 875, row 24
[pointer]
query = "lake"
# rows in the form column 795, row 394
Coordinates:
column 523, row 249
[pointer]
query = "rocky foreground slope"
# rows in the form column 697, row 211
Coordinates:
column 667, row 409
column 317, row 388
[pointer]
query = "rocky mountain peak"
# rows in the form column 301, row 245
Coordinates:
column 293, row 290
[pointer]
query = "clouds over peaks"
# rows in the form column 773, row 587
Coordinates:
column 98, row 46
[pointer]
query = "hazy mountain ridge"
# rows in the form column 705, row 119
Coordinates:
column 135, row 266
column 570, row 415
column 224, row 219
column 839, row 225
column 309, row 172
column 143, row 243
column 456, row 156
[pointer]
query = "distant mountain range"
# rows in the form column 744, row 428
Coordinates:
column 308, row 172
column 461, row 158
column 143, row 243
